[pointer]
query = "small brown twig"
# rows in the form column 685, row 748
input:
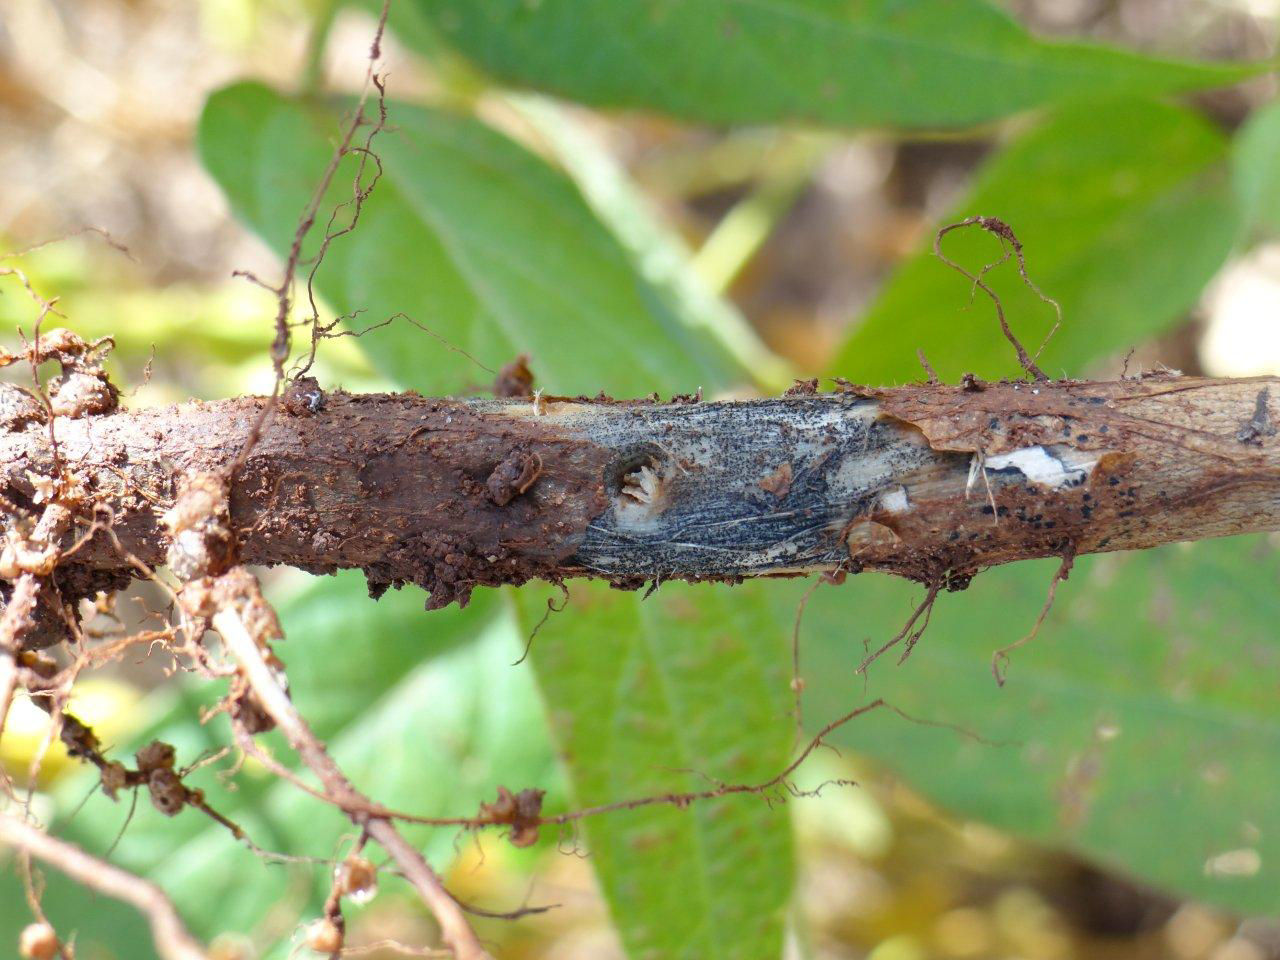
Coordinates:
column 836, row 577
column 169, row 933
column 104, row 235
column 521, row 911
column 392, row 946
column 8, row 682
column 1004, row 233
column 35, row 358
column 551, row 608
column 333, row 922
column 682, row 800
column 33, row 891
column 282, row 343
column 925, row 607
column 455, row 930
column 1000, row 659
column 490, row 815
column 22, row 601
column 928, row 367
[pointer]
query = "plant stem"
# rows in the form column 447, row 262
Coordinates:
column 930, row 482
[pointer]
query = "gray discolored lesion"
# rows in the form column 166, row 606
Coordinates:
column 742, row 488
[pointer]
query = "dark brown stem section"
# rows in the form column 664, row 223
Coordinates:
column 931, row 482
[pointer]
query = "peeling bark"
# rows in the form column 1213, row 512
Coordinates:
column 929, row 482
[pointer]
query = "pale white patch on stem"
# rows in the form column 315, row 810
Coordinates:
column 895, row 500
column 1042, row 467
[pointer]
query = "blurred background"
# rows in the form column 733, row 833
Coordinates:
column 788, row 241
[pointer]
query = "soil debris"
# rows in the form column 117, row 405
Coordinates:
column 515, row 379
column 513, row 477
column 199, row 524
column 522, row 811
column 83, row 394
column 304, row 397
column 802, row 388
column 82, row 388
column 19, row 408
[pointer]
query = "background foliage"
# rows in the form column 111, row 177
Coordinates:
column 1139, row 732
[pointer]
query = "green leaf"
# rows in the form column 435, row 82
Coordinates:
column 658, row 249
column 676, row 693
column 467, row 233
column 422, row 711
column 1256, row 166
column 1142, row 721
column 1124, row 211
column 923, row 63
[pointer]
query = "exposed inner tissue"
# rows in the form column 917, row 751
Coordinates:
column 895, row 500
column 1054, row 469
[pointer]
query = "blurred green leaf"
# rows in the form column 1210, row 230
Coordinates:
column 1124, row 211
column 467, row 233
column 657, row 247
column 1256, row 164
column 925, row 63
column 680, row 692
column 114, row 931
column 422, row 711
column 1143, row 717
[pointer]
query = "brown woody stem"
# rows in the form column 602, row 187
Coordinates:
column 931, row 482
